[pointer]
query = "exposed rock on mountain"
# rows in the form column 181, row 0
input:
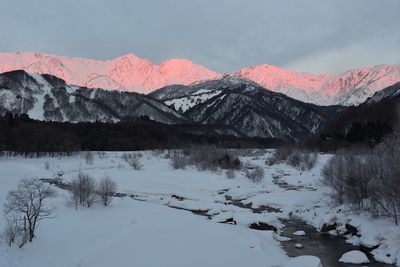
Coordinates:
column 131, row 73
column 246, row 108
column 46, row 97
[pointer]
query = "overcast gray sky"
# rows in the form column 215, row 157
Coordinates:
column 223, row 35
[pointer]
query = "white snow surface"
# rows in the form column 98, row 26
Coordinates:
column 300, row 232
column 304, row 261
column 187, row 102
column 131, row 73
column 37, row 111
column 144, row 230
column 354, row 257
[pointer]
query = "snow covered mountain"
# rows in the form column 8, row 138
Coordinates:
column 131, row 73
column 229, row 106
column 46, row 97
column 392, row 93
column 127, row 73
column 349, row 88
column 245, row 108
column 366, row 124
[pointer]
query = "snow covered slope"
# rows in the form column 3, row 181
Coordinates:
column 131, row 73
column 349, row 88
column 134, row 229
column 230, row 106
column 128, row 73
column 46, row 97
column 246, row 108
column 390, row 93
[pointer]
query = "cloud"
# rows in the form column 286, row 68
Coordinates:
column 348, row 57
column 224, row 35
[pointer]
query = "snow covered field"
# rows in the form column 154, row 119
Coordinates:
column 153, row 224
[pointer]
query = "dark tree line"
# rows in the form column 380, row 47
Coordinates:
column 22, row 134
column 364, row 125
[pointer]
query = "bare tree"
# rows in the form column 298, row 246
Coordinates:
column 13, row 230
column 254, row 173
column 47, row 165
column 105, row 189
column 389, row 183
column 367, row 179
column 206, row 157
column 83, row 191
column 333, row 175
column 280, row 154
column 300, row 159
column 178, row 160
column 230, row 174
column 89, row 157
column 133, row 159
column 25, row 208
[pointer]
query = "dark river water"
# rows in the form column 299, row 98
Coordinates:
column 327, row 247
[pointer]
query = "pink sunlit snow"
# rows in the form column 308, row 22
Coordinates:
column 131, row 73
column 325, row 88
column 128, row 72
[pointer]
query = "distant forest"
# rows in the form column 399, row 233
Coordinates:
column 21, row 134
column 364, row 125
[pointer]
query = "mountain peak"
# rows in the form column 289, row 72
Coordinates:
column 177, row 61
column 128, row 72
column 132, row 73
column 127, row 58
column 347, row 88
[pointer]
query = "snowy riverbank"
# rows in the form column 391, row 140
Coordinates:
column 161, row 230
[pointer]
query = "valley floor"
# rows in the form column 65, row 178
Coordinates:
column 168, row 217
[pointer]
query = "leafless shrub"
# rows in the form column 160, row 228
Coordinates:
column 385, row 172
column 309, row 160
column 102, row 154
column 230, row 174
column 205, row 158
column 47, row 165
column 135, row 163
column 333, row 176
column 106, row 189
column 300, row 159
column 212, row 158
column 157, row 152
column 133, row 159
column 89, row 157
column 294, row 159
column 178, row 160
column 24, row 209
column 13, row 232
column 279, row 155
column 367, row 180
column 254, row 173
column 83, row 191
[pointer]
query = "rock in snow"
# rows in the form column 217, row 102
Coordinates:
column 304, row 261
column 298, row 245
column 300, row 232
column 354, row 257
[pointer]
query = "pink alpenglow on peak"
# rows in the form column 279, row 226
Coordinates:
column 129, row 72
column 276, row 78
column 132, row 73
column 349, row 88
